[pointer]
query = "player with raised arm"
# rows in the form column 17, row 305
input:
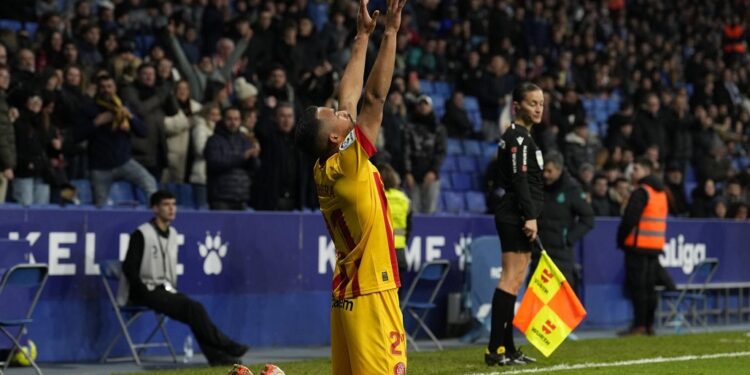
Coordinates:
column 367, row 333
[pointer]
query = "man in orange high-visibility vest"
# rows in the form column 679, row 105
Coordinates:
column 641, row 235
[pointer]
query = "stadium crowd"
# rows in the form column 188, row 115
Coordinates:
column 205, row 93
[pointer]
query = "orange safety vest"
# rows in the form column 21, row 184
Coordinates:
column 652, row 227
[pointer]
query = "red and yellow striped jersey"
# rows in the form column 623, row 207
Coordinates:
column 353, row 203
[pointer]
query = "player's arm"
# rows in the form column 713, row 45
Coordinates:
column 350, row 88
column 379, row 81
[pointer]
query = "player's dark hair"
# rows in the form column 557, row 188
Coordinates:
column 307, row 130
column 160, row 196
column 519, row 93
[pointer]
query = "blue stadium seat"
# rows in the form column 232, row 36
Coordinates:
column 478, row 180
column 453, row 202
column 471, row 104
column 83, row 190
column 445, row 181
column 690, row 174
column 588, row 104
column 472, row 147
column 613, row 104
column 449, row 164
column 12, row 25
column 453, row 146
column 467, row 163
column 443, row 88
column 143, row 43
column 462, row 181
column 121, row 193
column 438, row 105
column 689, row 187
column 475, row 202
column 476, row 119
column 425, row 86
column 489, row 149
column 184, row 194
column 318, row 13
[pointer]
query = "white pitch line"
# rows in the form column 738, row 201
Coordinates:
column 565, row 367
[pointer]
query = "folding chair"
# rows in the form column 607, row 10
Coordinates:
column 21, row 279
column 689, row 300
column 432, row 275
column 111, row 273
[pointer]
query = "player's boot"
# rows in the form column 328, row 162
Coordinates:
column 498, row 358
column 518, row 358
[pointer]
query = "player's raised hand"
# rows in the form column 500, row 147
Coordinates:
column 393, row 16
column 365, row 22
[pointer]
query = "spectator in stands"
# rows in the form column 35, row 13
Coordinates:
column 200, row 133
column 566, row 115
column 579, row 147
column 703, row 199
column 719, row 208
column 25, row 78
column 150, row 279
column 680, row 125
column 601, row 202
column 424, row 151
column 585, row 175
column 88, row 48
column 493, row 88
column 650, row 126
column 716, row 165
column 621, row 192
column 73, row 110
column 285, row 170
column 247, row 94
column 148, row 99
column 33, row 169
column 733, row 191
column 177, row 129
column 229, row 159
column 277, row 89
column 738, row 211
column 395, row 124
column 641, row 235
column 675, row 186
column 565, row 218
column 109, row 148
column 456, row 120
column 7, row 134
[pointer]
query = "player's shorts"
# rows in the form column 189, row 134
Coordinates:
column 512, row 237
column 367, row 335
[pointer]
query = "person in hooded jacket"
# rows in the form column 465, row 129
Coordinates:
column 641, row 235
column 424, row 151
column 566, row 217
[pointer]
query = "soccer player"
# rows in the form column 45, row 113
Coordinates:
column 367, row 334
column 520, row 164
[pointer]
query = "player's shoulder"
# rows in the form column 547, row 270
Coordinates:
column 514, row 136
column 350, row 139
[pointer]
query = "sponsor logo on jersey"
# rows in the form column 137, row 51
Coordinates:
column 344, row 304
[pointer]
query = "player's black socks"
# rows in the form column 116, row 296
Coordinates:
column 510, row 346
column 502, row 305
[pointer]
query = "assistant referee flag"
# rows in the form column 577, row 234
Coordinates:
column 550, row 310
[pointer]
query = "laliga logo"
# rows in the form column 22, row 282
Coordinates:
column 212, row 250
column 681, row 254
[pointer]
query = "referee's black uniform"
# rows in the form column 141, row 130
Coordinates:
column 520, row 175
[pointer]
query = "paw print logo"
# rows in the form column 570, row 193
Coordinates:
column 212, row 250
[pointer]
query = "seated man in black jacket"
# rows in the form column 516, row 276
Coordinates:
column 566, row 217
column 151, row 281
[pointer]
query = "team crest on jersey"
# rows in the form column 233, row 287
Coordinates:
column 520, row 140
column 400, row 369
column 348, row 141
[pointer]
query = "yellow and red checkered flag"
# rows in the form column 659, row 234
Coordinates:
column 550, row 310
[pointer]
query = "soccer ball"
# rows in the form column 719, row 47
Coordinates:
column 19, row 359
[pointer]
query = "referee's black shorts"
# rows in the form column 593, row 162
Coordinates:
column 512, row 237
